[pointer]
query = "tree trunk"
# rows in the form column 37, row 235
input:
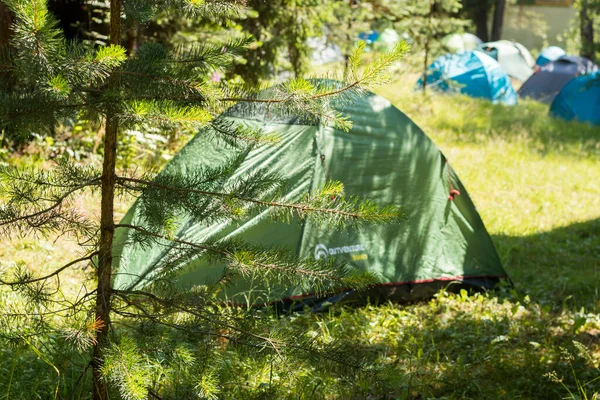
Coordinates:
column 6, row 20
column 427, row 43
column 498, row 19
column 349, row 38
column 480, row 18
column 132, row 38
column 104, row 272
column 586, row 30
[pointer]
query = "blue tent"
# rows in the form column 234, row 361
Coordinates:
column 551, row 53
column 473, row 73
column 369, row 37
column 545, row 83
column 579, row 100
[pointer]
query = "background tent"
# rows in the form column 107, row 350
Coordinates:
column 386, row 158
column 387, row 40
column 551, row 53
column 579, row 100
column 514, row 58
column 369, row 37
column 457, row 42
column 545, row 84
column 473, row 73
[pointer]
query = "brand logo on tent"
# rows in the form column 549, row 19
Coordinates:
column 321, row 251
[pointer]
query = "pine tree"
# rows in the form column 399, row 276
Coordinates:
column 49, row 80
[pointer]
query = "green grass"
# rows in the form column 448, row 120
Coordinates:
column 536, row 184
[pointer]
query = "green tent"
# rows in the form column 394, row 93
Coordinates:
column 385, row 157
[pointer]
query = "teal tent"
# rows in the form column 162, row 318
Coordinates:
column 385, row 157
column 549, row 54
column 473, row 73
column 579, row 100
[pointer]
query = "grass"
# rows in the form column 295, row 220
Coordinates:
column 536, row 184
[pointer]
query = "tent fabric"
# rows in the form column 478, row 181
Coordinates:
column 545, row 83
column 514, row 58
column 579, row 100
column 385, row 157
column 459, row 42
column 549, row 54
column 472, row 73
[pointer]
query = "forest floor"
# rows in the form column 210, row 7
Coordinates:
column 536, row 184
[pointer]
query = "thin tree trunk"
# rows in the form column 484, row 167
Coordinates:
column 427, row 44
column 349, row 38
column 5, row 25
column 498, row 22
column 132, row 38
column 586, row 30
column 480, row 18
column 6, row 20
column 104, row 271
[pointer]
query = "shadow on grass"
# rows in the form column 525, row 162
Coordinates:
column 475, row 354
column 559, row 267
column 454, row 347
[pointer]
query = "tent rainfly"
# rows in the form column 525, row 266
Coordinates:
column 545, row 83
column 385, row 157
column 551, row 53
column 514, row 58
column 579, row 100
column 472, row 73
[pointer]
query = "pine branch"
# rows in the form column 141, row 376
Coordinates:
column 70, row 307
column 331, row 276
column 171, row 239
column 54, row 273
column 213, row 319
column 301, row 209
column 302, row 89
column 160, row 319
column 234, row 133
column 287, row 342
column 57, row 203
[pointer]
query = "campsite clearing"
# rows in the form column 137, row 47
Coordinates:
column 535, row 182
